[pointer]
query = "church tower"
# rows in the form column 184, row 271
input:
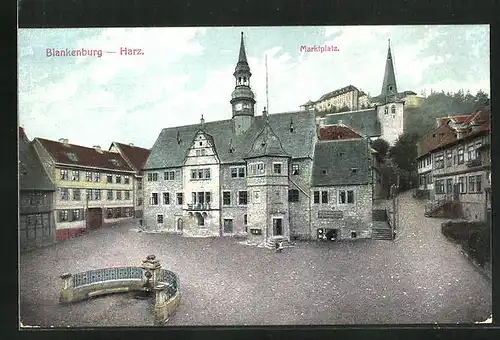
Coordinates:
column 389, row 88
column 390, row 112
column 242, row 98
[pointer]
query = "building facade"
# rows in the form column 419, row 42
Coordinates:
column 348, row 97
column 93, row 186
column 383, row 116
column 454, row 164
column 36, row 199
column 136, row 158
column 253, row 176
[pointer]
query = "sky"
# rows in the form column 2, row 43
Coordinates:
column 186, row 72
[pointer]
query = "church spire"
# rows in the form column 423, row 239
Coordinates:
column 389, row 87
column 243, row 56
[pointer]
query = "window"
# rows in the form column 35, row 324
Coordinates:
column 245, row 222
column 97, row 176
column 126, row 179
column 449, row 158
column 461, row 185
column 76, row 195
column 118, row 179
column 293, row 195
column 350, row 196
column 460, row 159
column 64, row 194
column 180, row 198
column 277, row 168
column 76, row 215
column 472, row 184
column 471, row 152
column 109, row 212
column 64, row 174
column 198, row 152
column 316, row 197
column 438, row 161
column 139, row 183
column 97, row 194
column 478, row 152
column 386, row 110
column 169, row 175
column 207, row 173
column 197, row 174
column 256, row 197
column 63, row 215
column 139, row 201
column 479, row 180
column 226, row 198
column 242, row 198
column 439, row 186
column 118, row 194
column 324, row 197
column 159, row 219
column 75, row 175
column 353, row 234
column 110, row 195
column 155, row 176
column 88, row 176
column 150, row 177
column 118, row 212
column 295, row 169
column 193, row 197
column 193, row 174
column 127, row 194
column 238, row 172
column 109, row 178
column 342, row 197
column 154, row 198
column 393, row 110
column 166, row 198
column 207, row 197
column 429, row 160
column 257, row 169
column 449, row 185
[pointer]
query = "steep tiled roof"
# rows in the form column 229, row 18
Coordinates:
column 338, row 131
column 267, row 143
column 458, row 119
column 82, row 156
column 32, row 175
column 169, row 152
column 136, row 156
column 341, row 162
column 364, row 122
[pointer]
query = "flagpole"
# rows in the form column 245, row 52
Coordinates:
column 267, row 88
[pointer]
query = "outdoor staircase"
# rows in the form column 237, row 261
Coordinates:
column 271, row 242
column 432, row 207
column 382, row 234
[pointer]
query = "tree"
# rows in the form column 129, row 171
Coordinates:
column 382, row 147
column 404, row 152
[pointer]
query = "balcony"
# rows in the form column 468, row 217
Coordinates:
column 473, row 162
column 199, row 206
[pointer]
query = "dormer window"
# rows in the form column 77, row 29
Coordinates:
column 386, row 110
column 72, row 156
column 114, row 162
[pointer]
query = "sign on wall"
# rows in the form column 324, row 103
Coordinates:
column 331, row 214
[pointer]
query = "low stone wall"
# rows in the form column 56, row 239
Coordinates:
column 149, row 277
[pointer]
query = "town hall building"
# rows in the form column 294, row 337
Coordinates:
column 264, row 177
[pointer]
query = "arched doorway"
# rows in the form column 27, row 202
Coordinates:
column 179, row 224
column 200, row 219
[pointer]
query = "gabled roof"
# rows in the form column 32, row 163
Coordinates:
column 32, row 175
column 77, row 155
column 134, row 155
column 168, row 152
column 364, row 122
column 267, row 143
column 341, row 162
column 457, row 119
column 338, row 131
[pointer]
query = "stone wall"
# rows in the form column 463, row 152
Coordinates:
column 392, row 125
column 300, row 212
column 234, row 211
column 350, row 218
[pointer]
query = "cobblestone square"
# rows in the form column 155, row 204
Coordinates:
column 419, row 278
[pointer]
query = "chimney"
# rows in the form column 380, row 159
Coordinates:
column 64, row 141
column 98, row 148
column 321, row 122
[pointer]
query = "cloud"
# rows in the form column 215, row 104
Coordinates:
column 187, row 72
